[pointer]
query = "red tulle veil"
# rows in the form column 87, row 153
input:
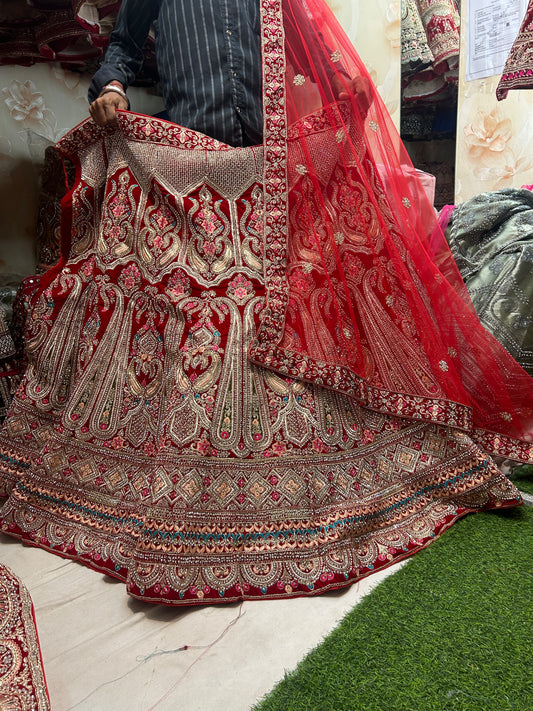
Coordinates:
column 363, row 295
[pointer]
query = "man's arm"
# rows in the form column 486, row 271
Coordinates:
column 123, row 60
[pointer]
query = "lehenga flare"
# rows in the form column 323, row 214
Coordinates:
column 255, row 372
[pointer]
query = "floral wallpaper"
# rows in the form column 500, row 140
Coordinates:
column 494, row 139
column 39, row 104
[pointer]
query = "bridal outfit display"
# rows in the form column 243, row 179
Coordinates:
column 255, row 372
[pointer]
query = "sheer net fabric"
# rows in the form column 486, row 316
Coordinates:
column 384, row 314
column 254, row 372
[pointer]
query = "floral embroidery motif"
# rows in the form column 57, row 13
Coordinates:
column 240, row 289
column 130, row 278
column 178, row 285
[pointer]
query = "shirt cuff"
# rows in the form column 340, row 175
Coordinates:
column 106, row 74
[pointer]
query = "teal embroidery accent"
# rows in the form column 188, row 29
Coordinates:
column 240, row 538
column 12, row 460
column 77, row 507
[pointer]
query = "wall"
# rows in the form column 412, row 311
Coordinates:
column 375, row 29
column 39, row 104
column 494, row 139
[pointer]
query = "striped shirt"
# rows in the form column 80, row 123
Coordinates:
column 209, row 61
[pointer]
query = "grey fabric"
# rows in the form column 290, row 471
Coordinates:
column 491, row 238
column 7, row 347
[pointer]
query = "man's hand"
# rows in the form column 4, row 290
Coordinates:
column 103, row 110
column 359, row 87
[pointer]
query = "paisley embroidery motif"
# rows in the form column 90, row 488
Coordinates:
column 142, row 440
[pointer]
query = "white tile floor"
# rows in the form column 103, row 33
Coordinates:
column 103, row 651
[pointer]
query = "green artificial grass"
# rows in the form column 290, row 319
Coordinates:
column 451, row 631
column 522, row 477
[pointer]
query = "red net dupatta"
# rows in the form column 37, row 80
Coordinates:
column 364, row 296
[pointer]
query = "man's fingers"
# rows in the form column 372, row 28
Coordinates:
column 110, row 114
column 97, row 112
column 103, row 110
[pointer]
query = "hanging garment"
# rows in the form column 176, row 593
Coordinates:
column 7, row 351
column 255, row 372
column 74, row 33
column 430, row 49
column 416, row 53
column 518, row 70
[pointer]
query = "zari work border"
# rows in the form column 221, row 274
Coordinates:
column 185, row 561
column 22, row 682
column 139, row 127
column 275, row 181
column 288, row 576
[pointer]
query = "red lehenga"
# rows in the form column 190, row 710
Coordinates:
column 255, row 372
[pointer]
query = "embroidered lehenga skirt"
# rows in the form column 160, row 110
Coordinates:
column 143, row 443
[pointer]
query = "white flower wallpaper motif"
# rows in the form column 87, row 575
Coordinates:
column 39, row 104
column 487, row 134
column 27, row 108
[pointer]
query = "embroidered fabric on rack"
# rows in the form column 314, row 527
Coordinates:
column 416, row 53
column 491, row 238
column 72, row 32
column 10, row 355
column 53, row 189
column 7, row 351
column 430, row 48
